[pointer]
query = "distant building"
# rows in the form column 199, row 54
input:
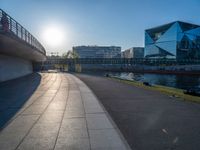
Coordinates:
column 134, row 52
column 97, row 51
column 179, row 40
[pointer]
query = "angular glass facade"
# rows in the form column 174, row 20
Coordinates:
column 177, row 40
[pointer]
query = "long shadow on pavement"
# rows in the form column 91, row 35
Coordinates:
column 13, row 95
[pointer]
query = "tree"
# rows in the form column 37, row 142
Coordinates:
column 70, row 54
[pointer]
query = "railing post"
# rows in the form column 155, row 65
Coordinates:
column 21, row 33
column 25, row 35
column 29, row 38
column 17, row 29
column 10, row 24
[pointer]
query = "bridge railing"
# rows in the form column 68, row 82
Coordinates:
column 10, row 25
column 125, row 61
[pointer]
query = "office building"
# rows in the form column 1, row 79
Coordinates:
column 178, row 40
column 97, row 51
column 133, row 52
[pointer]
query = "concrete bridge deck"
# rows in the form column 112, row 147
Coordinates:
column 18, row 49
column 54, row 111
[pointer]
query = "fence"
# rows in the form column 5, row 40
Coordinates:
column 125, row 61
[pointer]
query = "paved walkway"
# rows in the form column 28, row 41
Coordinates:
column 58, row 112
column 149, row 120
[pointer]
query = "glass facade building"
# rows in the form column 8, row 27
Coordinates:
column 97, row 51
column 133, row 52
column 178, row 40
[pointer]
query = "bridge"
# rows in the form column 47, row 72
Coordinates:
column 112, row 64
column 18, row 49
column 143, row 61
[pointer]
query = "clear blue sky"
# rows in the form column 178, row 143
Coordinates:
column 99, row 22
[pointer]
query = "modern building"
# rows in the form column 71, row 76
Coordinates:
column 178, row 40
column 133, row 52
column 97, row 51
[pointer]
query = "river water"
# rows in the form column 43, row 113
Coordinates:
column 177, row 81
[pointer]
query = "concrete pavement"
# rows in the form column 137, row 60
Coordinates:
column 61, row 113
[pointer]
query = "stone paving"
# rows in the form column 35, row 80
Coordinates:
column 61, row 114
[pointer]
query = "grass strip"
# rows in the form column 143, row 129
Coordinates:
column 174, row 92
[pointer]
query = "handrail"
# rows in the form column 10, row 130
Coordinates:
column 18, row 30
column 127, row 61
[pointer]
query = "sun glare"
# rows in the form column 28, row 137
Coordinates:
column 53, row 36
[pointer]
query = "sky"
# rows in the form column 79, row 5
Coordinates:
column 97, row 22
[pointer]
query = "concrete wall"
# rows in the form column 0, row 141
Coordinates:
column 12, row 67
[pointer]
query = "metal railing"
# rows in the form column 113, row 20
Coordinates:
column 125, row 61
column 13, row 27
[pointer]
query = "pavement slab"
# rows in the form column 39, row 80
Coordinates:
column 60, row 112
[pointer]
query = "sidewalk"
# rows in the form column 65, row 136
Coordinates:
column 63, row 114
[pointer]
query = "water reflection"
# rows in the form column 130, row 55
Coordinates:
column 177, row 81
column 185, row 82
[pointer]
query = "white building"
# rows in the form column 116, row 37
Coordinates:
column 97, row 51
column 133, row 52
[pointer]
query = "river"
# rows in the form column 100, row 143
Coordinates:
column 171, row 80
column 177, row 81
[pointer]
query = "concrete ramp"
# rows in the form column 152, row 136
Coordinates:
column 18, row 49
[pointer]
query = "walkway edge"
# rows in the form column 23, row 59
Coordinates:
column 114, row 124
column 108, row 116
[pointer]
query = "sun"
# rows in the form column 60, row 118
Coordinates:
column 53, row 35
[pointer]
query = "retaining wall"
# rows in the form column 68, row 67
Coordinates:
column 13, row 67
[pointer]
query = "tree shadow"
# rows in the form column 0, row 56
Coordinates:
column 14, row 94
